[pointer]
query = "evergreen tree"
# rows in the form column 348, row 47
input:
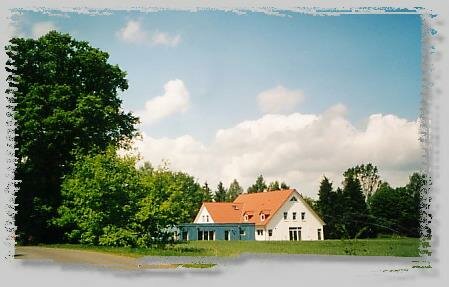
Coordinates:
column 234, row 190
column 220, row 193
column 355, row 213
column 207, row 192
column 284, row 186
column 259, row 186
column 328, row 206
column 274, row 186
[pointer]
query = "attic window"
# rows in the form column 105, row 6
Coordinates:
column 235, row 207
column 262, row 217
column 245, row 218
column 294, row 199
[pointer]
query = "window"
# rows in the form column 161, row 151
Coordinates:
column 259, row 232
column 203, row 219
column 245, row 218
column 294, row 215
column 262, row 217
column 319, row 234
column 303, row 215
column 227, row 237
column 270, row 232
column 207, row 218
column 285, row 215
column 293, row 199
column 295, row 233
column 206, row 235
column 185, row 235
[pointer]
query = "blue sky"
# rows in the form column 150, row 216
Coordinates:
column 369, row 63
column 354, row 65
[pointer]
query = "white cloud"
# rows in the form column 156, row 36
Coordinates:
column 160, row 38
column 41, row 28
column 176, row 99
column 296, row 148
column 133, row 33
column 279, row 99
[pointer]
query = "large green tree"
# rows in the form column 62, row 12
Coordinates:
column 107, row 201
column 397, row 210
column 234, row 190
column 172, row 198
column 100, row 198
column 66, row 103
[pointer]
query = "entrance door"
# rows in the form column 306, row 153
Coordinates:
column 227, row 235
column 294, row 233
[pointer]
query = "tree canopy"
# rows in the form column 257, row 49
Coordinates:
column 368, row 177
column 220, row 193
column 397, row 210
column 234, row 190
column 258, row 186
column 66, row 103
column 107, row 201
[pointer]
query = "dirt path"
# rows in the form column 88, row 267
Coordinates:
column 70, row 256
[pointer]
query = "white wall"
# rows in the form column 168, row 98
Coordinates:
column 309, row 226
column 202, row 216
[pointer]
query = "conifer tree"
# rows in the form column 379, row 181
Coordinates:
column 234, row 190
column 220, row 193
column 355, row 210
column 259, row 186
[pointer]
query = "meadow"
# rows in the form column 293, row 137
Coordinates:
column 399, row 247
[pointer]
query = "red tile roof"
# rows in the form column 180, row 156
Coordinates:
column 252, row 204
column 266, row 203
column 224, row 212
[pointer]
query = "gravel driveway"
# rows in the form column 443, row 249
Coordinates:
column 98, row 259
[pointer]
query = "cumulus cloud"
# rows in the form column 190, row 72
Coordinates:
column 176, row 99
column 296, row 148
column 41, row 28
column 133, row 33
column 279, row 99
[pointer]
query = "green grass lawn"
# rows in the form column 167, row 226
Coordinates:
column 403, row 247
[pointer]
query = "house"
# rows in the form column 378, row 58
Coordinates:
column 273, row 215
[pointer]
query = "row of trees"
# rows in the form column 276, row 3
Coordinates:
column 223, row 194
column 367, row 207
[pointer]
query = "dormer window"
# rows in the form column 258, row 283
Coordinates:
column 245, row 217
column 262, row 217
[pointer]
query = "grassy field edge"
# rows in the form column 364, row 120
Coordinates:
column 398, row 247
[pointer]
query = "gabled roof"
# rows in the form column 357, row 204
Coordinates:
column 267, row 203
column 224, row 212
